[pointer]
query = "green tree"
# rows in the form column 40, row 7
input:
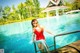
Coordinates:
column 1, row 10
column 37, row 7
column 29, row 7
column 6, row 12
column 13, row 8
column 19, row 10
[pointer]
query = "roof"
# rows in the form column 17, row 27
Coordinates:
column 54, row 8
column 51, row 4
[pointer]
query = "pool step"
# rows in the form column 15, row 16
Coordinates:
column 71, row 48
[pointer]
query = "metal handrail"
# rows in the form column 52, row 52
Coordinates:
column 35, row 47
column 61, row 35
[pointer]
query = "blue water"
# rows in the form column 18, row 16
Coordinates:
column 16, row 37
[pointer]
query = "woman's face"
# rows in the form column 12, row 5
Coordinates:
column 35, row 23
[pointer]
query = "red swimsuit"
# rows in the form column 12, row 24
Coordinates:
column 39, row 35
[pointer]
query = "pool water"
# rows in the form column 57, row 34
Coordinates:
column 17, row 37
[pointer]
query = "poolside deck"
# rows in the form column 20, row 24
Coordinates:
column 71, row 48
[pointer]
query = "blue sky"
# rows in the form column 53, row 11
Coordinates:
column 4, row 3
column 10, row 2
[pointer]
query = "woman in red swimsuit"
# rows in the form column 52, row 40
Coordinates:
column 38, row 35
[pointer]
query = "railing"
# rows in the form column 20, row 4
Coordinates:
column 62, row 35
column 54, row 39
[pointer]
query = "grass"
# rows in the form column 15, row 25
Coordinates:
column 3, row 22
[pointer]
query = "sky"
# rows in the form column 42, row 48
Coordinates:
column 43, row 3
column 4, row 3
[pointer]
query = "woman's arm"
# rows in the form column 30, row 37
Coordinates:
column 33, row 39
column 33, row 36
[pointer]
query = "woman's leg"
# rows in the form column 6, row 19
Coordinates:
column 41, row 47
column 45, row 45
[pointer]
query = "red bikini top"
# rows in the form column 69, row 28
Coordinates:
column 39, row 34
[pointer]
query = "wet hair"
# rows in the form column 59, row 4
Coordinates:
column 33, row 21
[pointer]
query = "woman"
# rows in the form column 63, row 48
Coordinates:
column 38, row 35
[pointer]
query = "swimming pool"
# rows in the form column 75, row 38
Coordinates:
column 16, row 37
